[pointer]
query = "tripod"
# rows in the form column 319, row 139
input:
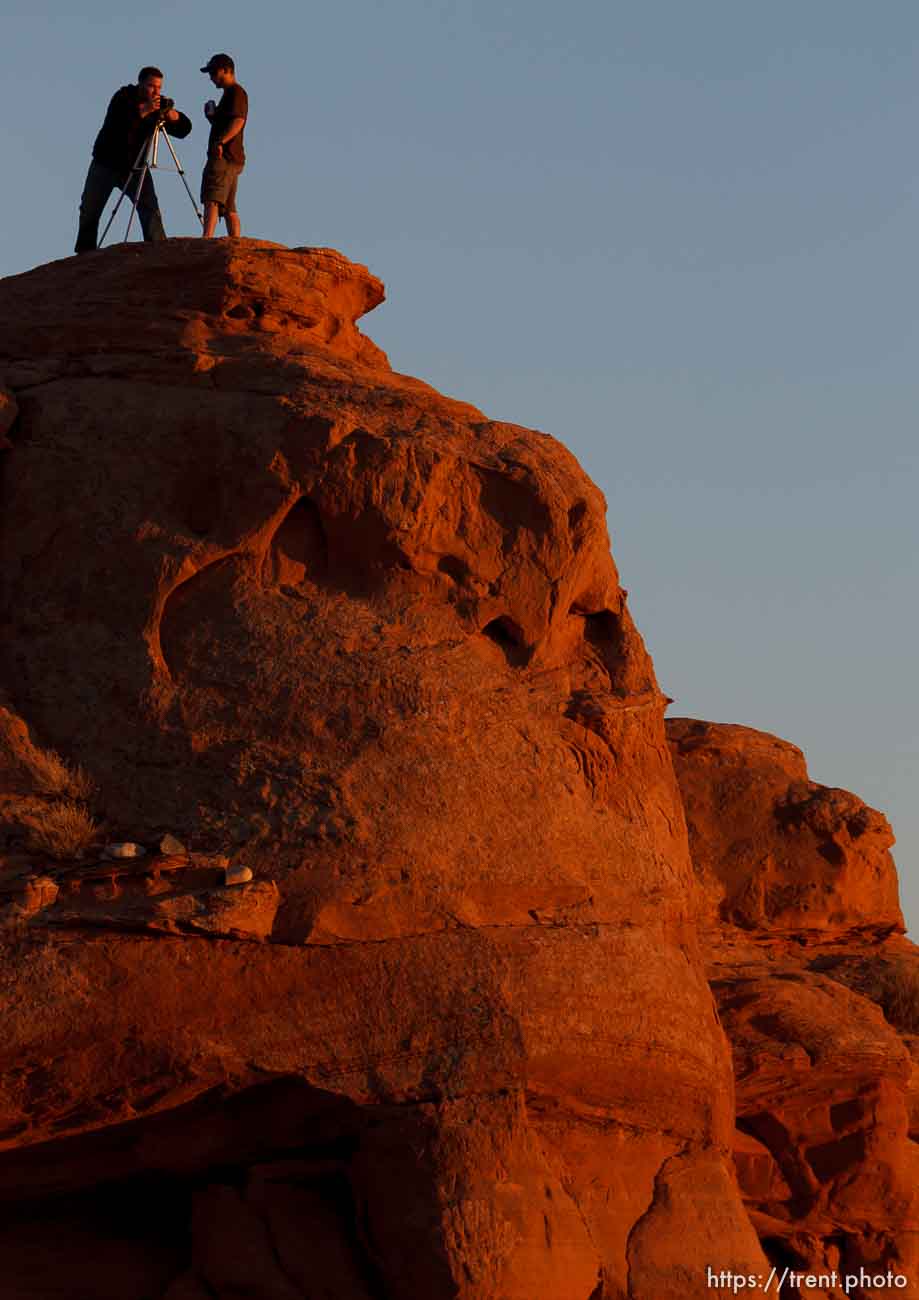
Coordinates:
column 145, row 162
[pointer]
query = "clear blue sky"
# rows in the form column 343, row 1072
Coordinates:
column 681, row 237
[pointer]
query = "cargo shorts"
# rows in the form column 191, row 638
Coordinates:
column 218, row 184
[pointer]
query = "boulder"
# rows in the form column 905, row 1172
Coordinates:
column 774, row 850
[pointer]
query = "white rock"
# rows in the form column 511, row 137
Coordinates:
column 172, row 847
column 237, row 876
column 126, row 850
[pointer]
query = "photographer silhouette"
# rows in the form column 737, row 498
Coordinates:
column 132, row 116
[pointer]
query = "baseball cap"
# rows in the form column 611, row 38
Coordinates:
column 218, row 61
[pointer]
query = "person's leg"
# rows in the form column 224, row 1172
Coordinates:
column 100, row 181
column 213, row 185
column 148, row 209
column 211, row 214
column 229, row 208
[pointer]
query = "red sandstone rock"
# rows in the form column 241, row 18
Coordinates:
column 824, row 1083
column 373, row 646
column 455, row 1039
column 823, row 1155
column 773, row 849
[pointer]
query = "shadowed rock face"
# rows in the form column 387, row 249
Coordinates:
column 310, row 615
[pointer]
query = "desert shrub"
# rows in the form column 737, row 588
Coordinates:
column 53, row 775
column 63, row 830
column 895, row 988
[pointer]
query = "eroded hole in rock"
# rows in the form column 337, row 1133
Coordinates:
column 508, row 635
column 299, row 549
column 830, row 1160
column 252, row 310
column 226, row 1197
column 115, row 1243
column 454, row 568
column 832, row 852
column 603, row 629
column 603, row 633
column 514, row 504
column 577, row 515
column 845, row 1114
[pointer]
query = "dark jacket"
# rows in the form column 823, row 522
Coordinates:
column 124, row 130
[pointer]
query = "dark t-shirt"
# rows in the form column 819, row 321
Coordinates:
column 234, row 102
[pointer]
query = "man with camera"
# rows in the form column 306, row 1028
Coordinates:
column 226, row 155
column 131, row 118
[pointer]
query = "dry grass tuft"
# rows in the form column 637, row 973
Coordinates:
column 53, row 775
column 65, row 830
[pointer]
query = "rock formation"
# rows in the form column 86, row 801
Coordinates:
column 365, row 652
column 804, row 940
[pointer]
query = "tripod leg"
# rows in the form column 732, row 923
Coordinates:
column 181, row 172
column 144, row 171
column 137, row 164
column 115, row 209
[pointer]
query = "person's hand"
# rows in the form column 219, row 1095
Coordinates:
column 216, row 150
column 172, row 115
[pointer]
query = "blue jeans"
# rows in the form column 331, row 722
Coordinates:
column 100, row 181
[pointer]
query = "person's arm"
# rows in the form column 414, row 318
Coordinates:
column 234, row 126
column 178, row 124
column 144, row 111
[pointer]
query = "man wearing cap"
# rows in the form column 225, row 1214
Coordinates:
column 226, row 155
column 129, row 122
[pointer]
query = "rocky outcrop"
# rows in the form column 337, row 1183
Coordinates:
column 365, row 651
column 773, row 850
column 310, row 615
column 818, row 993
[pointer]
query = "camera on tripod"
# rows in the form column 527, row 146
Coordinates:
column 146, row 162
